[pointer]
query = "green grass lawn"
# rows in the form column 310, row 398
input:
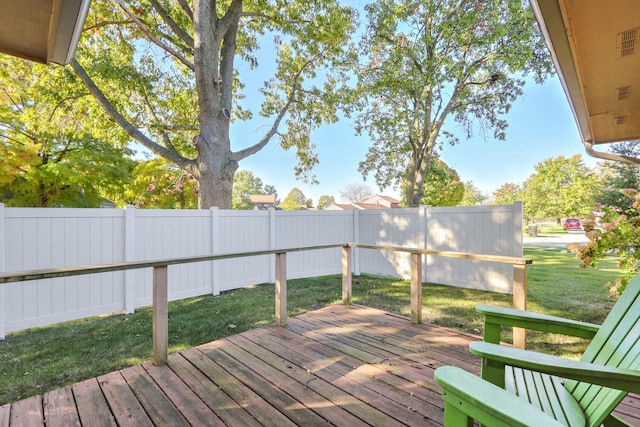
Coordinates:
column 38, row 360
column 547, row 229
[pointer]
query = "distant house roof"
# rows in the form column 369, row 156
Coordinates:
column 374, row 202
column 340, row 207
column 379, row 197
column 384, row 201
column 263, row 198
column 370, row 206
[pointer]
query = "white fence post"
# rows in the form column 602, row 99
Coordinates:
column 129, row 255
column 3, row 307
column 517, row 224
column 424, row 236
column 416, row 288
column 281, row 289
column 272, row 245
column 215, row 249
column 356, row 239
column 347, row 289
column 160, row 315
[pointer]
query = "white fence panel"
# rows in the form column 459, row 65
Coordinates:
column 62, row 237
column 486, row 230
column 51, row 238
column 313, row 228
column 164, row 234
column 244, row 231
column 390, row 227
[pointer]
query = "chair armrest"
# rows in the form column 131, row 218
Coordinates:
column 535, row 321
column 616, row 378
column 480, row 400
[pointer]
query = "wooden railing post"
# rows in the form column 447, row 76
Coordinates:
column 416, row 288
column 281, row 288
column 347, row 260
column 520, row 302
column 160, row 316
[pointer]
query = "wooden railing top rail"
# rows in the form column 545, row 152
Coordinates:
column 160, row 282
column 22, row 276
column 448, row 254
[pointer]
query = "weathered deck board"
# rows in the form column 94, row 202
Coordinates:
column 341, row 366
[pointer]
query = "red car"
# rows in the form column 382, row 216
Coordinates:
column 572, row 224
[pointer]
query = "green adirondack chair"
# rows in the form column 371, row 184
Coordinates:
column 549, row 389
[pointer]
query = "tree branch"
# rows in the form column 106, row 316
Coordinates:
column 180, row 32
column 273, row 130
column 228, row 52
column 176, row 127
column 230, row 18
column 163, row 134
column 107, row 23
column 153, row 39
column 186, row 8
column 239, row 155
column 15, row 104
column 131, row 130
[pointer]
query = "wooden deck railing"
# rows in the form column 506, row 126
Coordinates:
column 160, row 282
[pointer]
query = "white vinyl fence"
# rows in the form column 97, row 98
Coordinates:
column 33, row 239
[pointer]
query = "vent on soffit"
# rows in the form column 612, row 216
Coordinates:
column 623, row 93
column 627, row 42
column 620, row 120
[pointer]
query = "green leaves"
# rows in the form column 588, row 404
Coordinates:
column 442, row 186
column 432, row 61
column 53, row 154
column 295, row 200
column 612, row 233
column 561, row 187
column 246, row 184
column 170, row 72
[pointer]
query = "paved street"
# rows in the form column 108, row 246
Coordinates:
column 559, row 240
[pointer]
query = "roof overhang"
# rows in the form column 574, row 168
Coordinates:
column 42, row 30
column 596, row 49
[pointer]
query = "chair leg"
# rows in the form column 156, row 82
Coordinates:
column 454, row 417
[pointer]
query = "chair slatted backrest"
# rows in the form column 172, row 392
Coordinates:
column 616, row 344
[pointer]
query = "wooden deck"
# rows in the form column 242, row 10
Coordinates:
column 344, row 366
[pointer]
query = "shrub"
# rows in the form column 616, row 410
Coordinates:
column 618, row 234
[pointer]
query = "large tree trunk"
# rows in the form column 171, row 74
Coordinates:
column 414, row 182
column 215, row 167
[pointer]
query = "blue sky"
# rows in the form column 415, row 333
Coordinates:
column 541, row 125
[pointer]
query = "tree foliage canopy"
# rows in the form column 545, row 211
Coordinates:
column 429, row 60
column 295, row 199
column 560, row 187
column 324, row 201
column 618, row 234
column 158, row 184
column 53, row 154
column 246, row 184
column 442, row 186
column 617, row 177
column 507, row 194
column 472, row 195
column 166, row 72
